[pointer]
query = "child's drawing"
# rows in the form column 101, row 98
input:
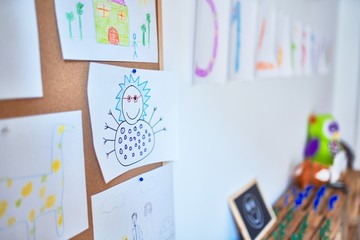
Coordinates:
column 136, row 230
column 141, row 2
column 134, row 45
column 18, row 195
column 140, row 216
column 107, row 27
column 80, row 11
column 143, row 30
column 149, row 226
column 111, row 22
column 26, row 199
column 167, row 231
column 148, row 20
column 134, row 137
column 133, row 117
column 70, row 17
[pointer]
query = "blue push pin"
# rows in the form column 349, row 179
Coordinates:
column 134, row 71
column 141, row 179
column 332, row 201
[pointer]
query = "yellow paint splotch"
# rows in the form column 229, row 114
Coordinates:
column 56, row 165
column 42, row 192
column 11, row 221
column 27, row 189
column 61, row 129
column 124, row 237
column 32, row 215
column 60, row 220
column 50, row 201
column 3, row 208
column 9, row 182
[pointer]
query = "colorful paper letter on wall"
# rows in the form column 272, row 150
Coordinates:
column 211, row 41
column 133, row 117
column 266, row 64
column 284, row 47
column 242, row 39
column 42, row 177
column 140, row 208
column 296, row 39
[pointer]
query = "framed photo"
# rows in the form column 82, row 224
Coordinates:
column 252, row 214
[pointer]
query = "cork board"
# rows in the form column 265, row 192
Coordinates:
column 65, row 89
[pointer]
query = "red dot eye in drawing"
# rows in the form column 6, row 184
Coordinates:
column 135, row 98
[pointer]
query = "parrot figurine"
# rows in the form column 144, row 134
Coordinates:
column 325, row 155
column 323, row 139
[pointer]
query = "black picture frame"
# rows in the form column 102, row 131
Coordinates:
column 252, row 214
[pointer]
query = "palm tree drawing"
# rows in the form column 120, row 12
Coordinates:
column 143, row 29
column 148, row 22
column 80, row 11
column 70, row 18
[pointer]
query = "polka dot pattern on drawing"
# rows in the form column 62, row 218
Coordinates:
column 133, row 142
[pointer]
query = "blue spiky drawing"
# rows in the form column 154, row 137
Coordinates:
column 134, row 136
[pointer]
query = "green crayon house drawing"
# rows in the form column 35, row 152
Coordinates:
column 111, row 22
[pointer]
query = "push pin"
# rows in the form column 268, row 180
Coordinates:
column 141, row 179
column 134, row 71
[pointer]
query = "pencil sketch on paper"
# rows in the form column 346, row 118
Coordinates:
column 23, row 199
column 134, row 137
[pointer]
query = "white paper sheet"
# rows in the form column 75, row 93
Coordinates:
column 20, row 70
column 42, row 177
column 306, row 51
column 242, row 39
column 266, row 56
column 284, row 47
column 324, row 57
column 296, row 52
column 211, row 41
column 133, row 117
column 113, row 30
column 148, row 196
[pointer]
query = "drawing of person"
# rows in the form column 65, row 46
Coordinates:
column 134, row 45
column 149, row 230
column 136, row 230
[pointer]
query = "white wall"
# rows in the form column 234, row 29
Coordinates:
column 238, row 131
column 346, row 94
